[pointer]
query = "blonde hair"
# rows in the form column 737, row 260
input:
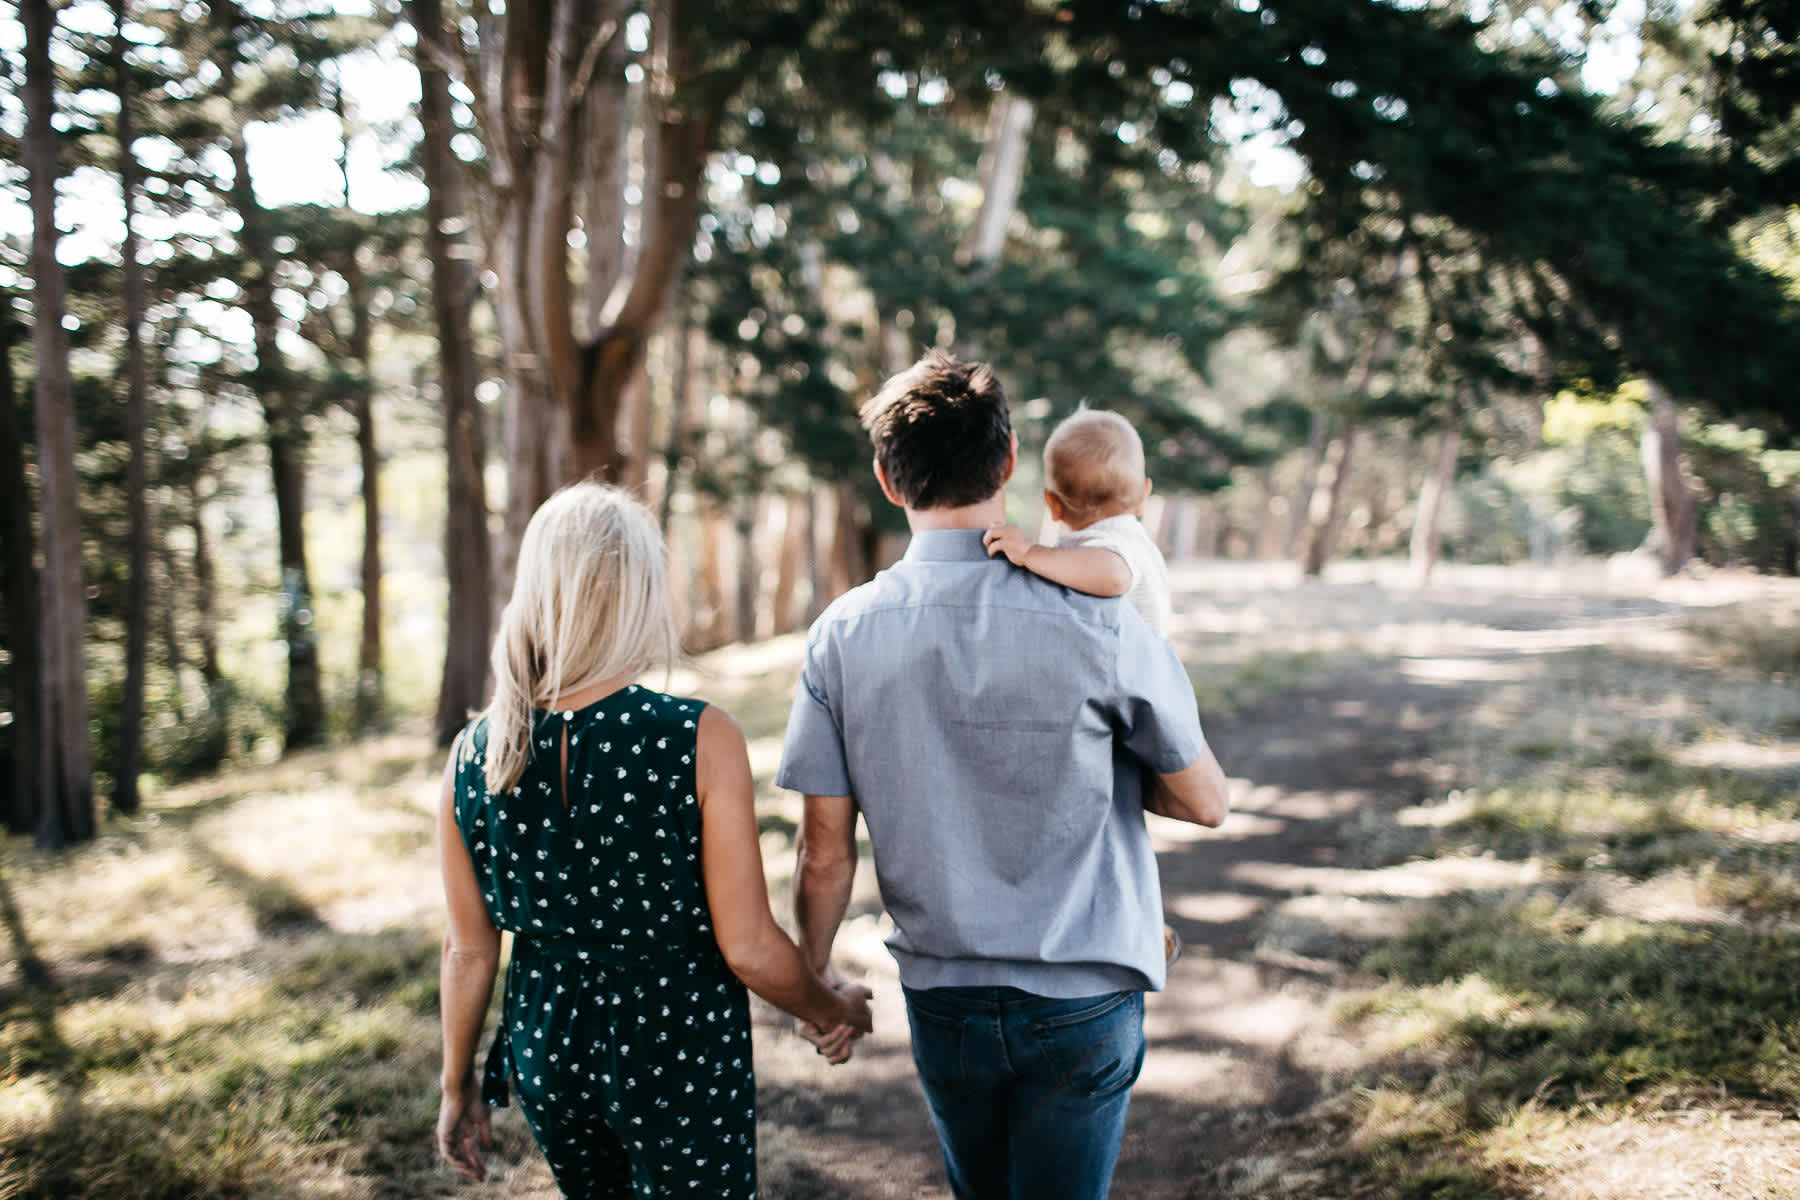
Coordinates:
column 1094, row 461
column 589, row 602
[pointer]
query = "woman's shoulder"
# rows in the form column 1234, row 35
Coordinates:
column 470, row 747
column 642, row 703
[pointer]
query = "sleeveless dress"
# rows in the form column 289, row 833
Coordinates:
column 624, row 1033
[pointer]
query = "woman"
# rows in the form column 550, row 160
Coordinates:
column 611, row 829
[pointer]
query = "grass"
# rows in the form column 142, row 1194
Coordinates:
column 234, row 994
column 1651, row 967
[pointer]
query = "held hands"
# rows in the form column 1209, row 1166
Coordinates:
column 1009, row 540
column 854, row 1020
column 463, row 1132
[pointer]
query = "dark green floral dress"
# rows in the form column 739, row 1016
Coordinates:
column 623, row 1032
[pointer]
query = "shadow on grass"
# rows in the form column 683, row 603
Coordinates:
column 276, row 907
column 318, row 1061
column 30, row 1041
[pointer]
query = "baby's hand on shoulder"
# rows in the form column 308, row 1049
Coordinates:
column 1009, row 540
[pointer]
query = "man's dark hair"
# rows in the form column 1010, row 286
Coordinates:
column 941, row 432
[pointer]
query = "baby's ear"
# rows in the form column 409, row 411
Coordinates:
column 1054, row 504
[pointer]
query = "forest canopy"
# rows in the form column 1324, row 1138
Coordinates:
column 308, row 306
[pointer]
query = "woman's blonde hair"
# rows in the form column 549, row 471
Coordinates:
column 590, row 601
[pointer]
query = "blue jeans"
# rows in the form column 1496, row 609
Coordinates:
column 1028, row 1094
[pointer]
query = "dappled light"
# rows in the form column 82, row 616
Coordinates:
column 1490, row 925
column 1445, row 354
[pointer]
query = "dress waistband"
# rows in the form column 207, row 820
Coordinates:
column 605, row 953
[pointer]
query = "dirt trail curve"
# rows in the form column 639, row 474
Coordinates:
column 1380, row 676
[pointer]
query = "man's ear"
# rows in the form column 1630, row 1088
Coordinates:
column 1012, row 458
column 887, row 489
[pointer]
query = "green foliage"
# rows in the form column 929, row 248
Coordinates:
column 1749, row 505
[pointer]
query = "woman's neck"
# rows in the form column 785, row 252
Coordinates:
column 582, row 697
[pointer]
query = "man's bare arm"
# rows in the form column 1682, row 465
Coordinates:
column 1198, row 793
column 825, row 868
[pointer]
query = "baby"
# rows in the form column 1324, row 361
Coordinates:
column 1095, row 488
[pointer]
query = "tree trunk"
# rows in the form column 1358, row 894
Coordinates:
column 137, row 399
column 371, row 702
column 304, row 717
column 749, row 565
column 18, row 602
column 634, row 434
column 566, row 392
column 712, row 615
column 169, row 587
column 851, row 538
column 467, row 566
column 1327, row 510
column 1316, row 429
column 684, row 410
column 1429, row 520
column 791, row 563
column 65, row 812
column 819, row 596
column 1268, row 525
column 1674, row 530
column 1001, row 169
column 206, row 608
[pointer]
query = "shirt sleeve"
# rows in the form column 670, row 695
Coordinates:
column 1099, row 538
column 812, row 752
column 1158, row 717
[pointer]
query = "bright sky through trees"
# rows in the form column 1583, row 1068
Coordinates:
column 296, row 161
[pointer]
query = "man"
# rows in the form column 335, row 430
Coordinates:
column 997, row 733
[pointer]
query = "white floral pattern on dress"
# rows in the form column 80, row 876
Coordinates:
column 628, row 1037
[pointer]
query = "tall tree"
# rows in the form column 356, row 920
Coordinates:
column 350, row 251
column 303, row 721
column 536, row 80
column 65, row 810
column 467, row 568
column 137, row 401
column 18, row 599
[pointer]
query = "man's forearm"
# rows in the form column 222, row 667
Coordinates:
column 1198, row 794
column 821, row 898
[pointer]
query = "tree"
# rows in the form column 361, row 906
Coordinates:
column 551, row 104
column 348, row 258
column 18, row 599
column 137, row 393
column 466, row 553
column 65, row 810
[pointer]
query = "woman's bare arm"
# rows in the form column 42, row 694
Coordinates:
column 756, row 948
column 471, row 958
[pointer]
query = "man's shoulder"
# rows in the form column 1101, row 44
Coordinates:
column 939, row 592
column 854, row 602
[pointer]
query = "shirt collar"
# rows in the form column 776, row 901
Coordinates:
column 946, row 545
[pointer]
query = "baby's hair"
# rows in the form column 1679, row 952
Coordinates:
column 1094, row 461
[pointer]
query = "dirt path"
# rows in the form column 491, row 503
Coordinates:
column 1312, row 852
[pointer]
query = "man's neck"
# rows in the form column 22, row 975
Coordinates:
column 991, row 511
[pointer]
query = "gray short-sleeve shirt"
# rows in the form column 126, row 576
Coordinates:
column 993, row 728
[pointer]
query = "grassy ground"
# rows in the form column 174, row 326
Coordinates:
column 1620, row 999
column 234, row 994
